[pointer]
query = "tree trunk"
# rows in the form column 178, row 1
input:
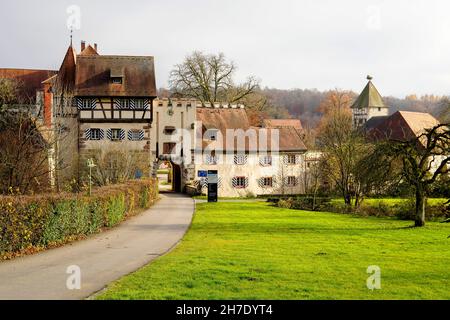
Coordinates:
column 420, row 207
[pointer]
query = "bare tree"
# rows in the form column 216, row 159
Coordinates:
column 424, row 160
column 339, row 143
column 117, row 164
column 209, row 78
column 23, row 147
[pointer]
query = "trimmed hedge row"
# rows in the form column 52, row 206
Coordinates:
column 28, row 222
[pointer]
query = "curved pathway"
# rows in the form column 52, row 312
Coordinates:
column 102, row 258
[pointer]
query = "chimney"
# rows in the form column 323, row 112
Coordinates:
column 48, row 99
column 83, row 45
column 95, row 47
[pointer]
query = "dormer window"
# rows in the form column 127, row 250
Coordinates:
column 211, row 134
column 116, row 80
column 117, row 74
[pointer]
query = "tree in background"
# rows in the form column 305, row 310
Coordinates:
column 339, row 143
column 23, row 148
column 209, row 78
column 348, row 158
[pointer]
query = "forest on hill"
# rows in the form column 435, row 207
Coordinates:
column 305, row 104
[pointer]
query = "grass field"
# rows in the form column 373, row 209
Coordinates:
column 255, row 251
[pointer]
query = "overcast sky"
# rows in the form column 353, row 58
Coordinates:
column 323, row 44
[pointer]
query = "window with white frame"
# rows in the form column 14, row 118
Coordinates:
column 265, row 161
column 240, row 159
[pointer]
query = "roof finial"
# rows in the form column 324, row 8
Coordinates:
column 369, row 77
column 71, row 36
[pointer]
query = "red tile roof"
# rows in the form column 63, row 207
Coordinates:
column 282, row 123
column 404, row 126
column 221, row 119
column 93, row 76
column 29, row 80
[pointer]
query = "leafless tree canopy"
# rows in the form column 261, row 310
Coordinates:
column 424, row 160
column 349, row 161
column 209, row 78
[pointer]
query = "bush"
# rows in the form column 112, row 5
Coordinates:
column 303, row 203
column 40, row 221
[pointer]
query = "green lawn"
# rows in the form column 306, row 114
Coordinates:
column 255, row 251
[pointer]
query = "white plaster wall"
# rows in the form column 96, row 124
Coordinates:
column 253, row 170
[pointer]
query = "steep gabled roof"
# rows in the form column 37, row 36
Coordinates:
column 93, row 76
column 404, row 126
column 29, row 80
column 221, row 119
column 369, row 98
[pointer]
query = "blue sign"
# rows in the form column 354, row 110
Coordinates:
column 202, row 173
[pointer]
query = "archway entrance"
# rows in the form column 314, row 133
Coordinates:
column 176, row 177
column 169, row 176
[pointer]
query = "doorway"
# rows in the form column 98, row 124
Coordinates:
column 169, row 176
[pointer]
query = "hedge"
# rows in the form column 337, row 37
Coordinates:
column 38, row 222
column 403, row 211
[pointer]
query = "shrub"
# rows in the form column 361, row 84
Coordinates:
column 40, row 221
column 304, row 203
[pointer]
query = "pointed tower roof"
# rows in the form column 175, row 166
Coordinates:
column 66, row 75
column 369, row 97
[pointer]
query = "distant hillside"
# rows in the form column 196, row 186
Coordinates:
column 304, row 103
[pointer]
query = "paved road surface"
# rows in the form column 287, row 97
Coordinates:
column 102, row 258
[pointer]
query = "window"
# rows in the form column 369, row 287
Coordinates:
column 267, row 182
column 265, row 161
column 291, row 181
column 116, row 80
column 240, row 182
column 136, row 135
column 240, row 159
column 86, row 104
column 169, row 130
column 169, row 148
column 96, row 134
column 291, row 159
column 211, row 159
column 211, row 134
column 116, row 134
column 379, row 109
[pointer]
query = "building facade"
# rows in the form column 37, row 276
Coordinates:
column 105, row 108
